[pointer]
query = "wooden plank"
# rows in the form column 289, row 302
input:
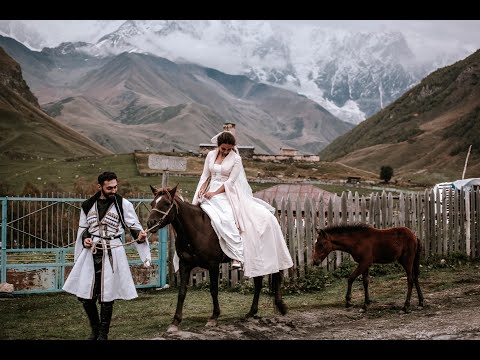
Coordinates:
column 414, row 213
column 356, row 208
column 383, row 210
column 471, row 224
column 477, row 223
column 445, row 222
column 427, row 224
column 451, row 207
column 401, row 215
column 462, row 221
column 283, row 218
column 309, row 230
column 389, row 210
column 377, row 220
column 331, row 256
column 343, row 207
column 408, row 211
column 420, row 215
column 363, row 210
column 458, row 202
column 438, row 223
column 433, row 225
column 321, row 213
column 300, row 239
column 291, row 233
column 350, row 207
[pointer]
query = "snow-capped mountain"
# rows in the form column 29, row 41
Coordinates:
column 351, row 74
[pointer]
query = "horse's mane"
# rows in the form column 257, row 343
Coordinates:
column 342, row 229
column 163, row 190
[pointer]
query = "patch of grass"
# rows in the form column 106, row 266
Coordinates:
column 61, row 316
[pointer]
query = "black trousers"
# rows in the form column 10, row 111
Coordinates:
column 97, row 286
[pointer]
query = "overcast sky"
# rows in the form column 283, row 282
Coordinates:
column 422, row 35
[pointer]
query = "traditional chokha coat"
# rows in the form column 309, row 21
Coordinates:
column 117, row 281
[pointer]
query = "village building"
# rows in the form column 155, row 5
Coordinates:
column 248, row 151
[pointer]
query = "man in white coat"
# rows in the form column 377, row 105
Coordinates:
column 101, row 270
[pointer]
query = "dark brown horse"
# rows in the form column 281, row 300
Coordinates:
column 367, row 246
column 197, row 245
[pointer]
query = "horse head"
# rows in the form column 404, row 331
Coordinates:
column 162, row 205
column 322, row 247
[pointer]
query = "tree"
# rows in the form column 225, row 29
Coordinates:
column 386, row 173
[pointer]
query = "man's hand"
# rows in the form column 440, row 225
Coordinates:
column 142, row 236
column 88, row 242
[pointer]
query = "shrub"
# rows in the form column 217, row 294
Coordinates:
column 386, row 173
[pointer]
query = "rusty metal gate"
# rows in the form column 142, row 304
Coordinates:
column 38, row 241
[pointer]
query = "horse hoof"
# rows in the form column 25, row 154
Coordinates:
column 211, row 323
column 404, row 311
column 283, row 308
column 347, row 305
column 172, row 329
column 249, row 315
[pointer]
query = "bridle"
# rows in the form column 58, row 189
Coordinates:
column 164, row 213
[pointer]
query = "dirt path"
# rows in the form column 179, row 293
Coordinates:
column 451, row 314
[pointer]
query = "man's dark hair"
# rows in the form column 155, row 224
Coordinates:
column 106, row 176
column 226, row 138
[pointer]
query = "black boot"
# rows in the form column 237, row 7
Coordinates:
column 106, row 310
column 90, row 307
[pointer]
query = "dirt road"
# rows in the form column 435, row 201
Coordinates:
column 452, row 314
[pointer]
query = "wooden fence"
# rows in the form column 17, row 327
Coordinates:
column 446, row 222
column 451, row 225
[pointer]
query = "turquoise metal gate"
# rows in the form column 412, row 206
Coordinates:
column 38, row 241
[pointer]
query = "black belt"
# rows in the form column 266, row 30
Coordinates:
column 108, row 237
column 109, row 250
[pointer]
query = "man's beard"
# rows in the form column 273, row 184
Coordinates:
column 108, row 196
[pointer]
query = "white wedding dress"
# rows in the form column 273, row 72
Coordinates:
column 220, row 212
column 247, row 229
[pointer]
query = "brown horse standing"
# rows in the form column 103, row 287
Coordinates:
column 367, row 246
column 197, row 245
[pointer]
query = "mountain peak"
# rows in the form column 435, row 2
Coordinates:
column 11, row 77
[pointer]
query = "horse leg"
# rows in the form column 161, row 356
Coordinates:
column 359, row 270
column 366, row 279
column 214, row 271
column 182, row 293
column 419, row 291
column 408, row 266
column 416, row 272
column 276, row 287
column 257, row 281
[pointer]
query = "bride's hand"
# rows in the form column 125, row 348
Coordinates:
column 209, row 195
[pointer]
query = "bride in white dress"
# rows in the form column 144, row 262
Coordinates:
column 248, row 231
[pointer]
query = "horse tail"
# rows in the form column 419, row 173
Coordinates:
column 416, row 260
